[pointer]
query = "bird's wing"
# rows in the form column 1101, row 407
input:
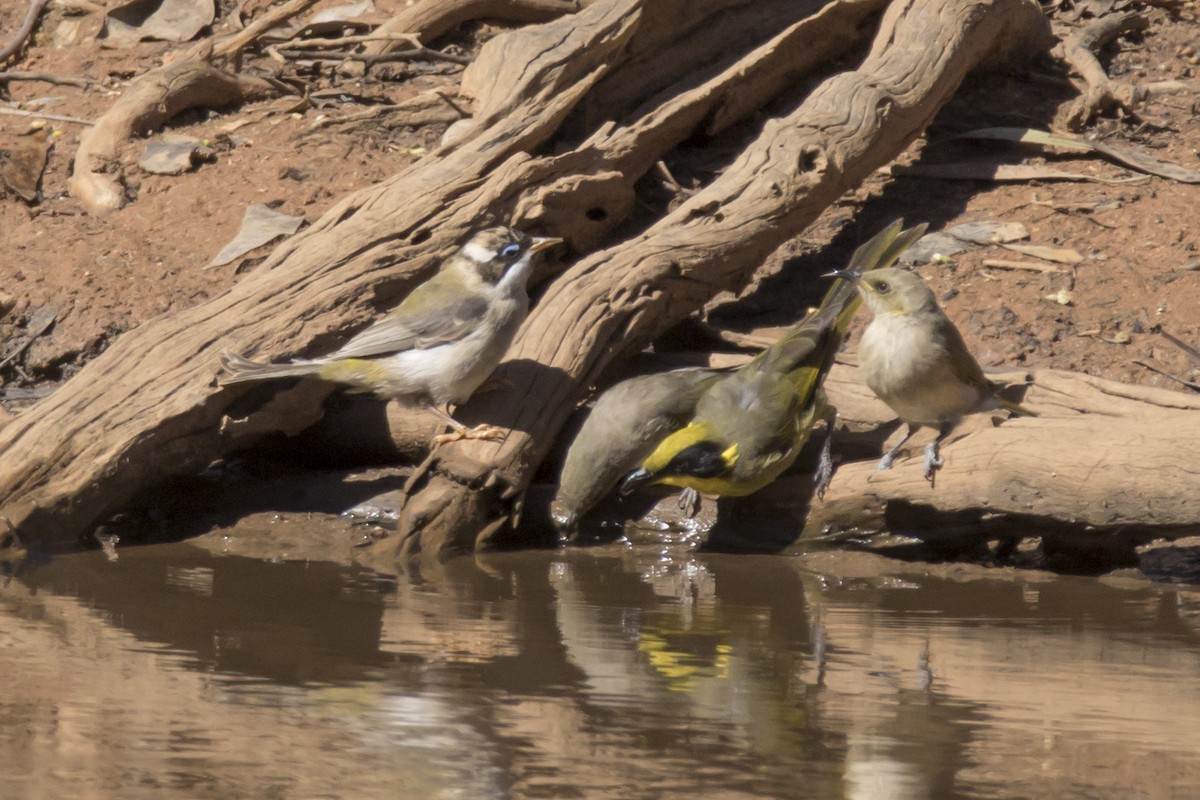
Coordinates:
column 432, row 314
column 962, row 363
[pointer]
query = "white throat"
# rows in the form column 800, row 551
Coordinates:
column 514, row 279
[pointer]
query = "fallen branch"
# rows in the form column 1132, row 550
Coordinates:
column 156, row 96
column 1100, row 457
column 415, row 54
column 20, row 112
column 146, row 105
column 1103, row 93
column 23, row 32
column 45, row 77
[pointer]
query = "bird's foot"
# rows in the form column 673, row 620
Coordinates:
column 932, row 462
column 886, row 462
column 824, row 472
column 488, row 432
column 689, row 502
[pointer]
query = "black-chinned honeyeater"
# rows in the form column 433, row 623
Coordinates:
column 441, row 342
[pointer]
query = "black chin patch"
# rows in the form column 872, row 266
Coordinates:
column 701, row 460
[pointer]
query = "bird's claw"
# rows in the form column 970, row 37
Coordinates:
column 487, row 432
column 886, row 462
column 824, row 473
column 689, row 502
column 932, row 462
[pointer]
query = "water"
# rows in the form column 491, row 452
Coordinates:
column 614, row 673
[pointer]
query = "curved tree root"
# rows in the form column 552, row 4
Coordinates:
column 1103, row 93
column 152, row 99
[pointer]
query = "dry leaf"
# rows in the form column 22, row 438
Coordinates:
column 1065, row 141
column 995, row 171
column 168, row 20
column 260, row 224
column 1061, row 255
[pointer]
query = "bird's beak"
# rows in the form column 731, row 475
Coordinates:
column 635, row 479
column 541, row 243
column 852, row 275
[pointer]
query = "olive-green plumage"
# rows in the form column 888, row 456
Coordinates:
column 623, row 427
column 441, row 342
column 748, row 428
column 915, row 360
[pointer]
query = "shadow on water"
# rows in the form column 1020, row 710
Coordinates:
column 605, row 672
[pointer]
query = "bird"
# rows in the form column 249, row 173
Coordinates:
column 915, row 360
column 624, row 426
column 441, row 342
column 749, row 427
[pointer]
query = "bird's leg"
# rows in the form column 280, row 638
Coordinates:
column 932, row 462
column 462, row 431
column 689, row 502
column 824, row 472
column 890, row 455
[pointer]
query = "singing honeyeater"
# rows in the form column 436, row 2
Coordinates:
column 441, row 342
column 749, row 427
column 623, row 427
column 914, row 359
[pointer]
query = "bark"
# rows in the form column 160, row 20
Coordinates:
column 149, row 407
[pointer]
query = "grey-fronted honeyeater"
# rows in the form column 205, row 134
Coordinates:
column 624, row 426
column 442, row 341
column 749, row 427
column 915, row 360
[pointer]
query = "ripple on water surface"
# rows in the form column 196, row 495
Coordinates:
column 623, row 672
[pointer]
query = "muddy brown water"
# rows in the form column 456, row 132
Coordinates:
column 621, row 672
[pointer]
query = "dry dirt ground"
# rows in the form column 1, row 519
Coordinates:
column 1140, row 272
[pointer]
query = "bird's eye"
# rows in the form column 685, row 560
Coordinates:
column 510, row 251
column 882, row 287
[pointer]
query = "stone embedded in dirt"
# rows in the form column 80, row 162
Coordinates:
column 22, row 164
column 173, row 155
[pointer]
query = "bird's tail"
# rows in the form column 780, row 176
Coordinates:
column 838, row 307
column 240, row 370
column 1016, row 408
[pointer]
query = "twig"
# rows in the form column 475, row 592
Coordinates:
column 18, row 40
column 1192, row 353
column 1103, row 93
column 1195, row 387
column 1025, row 265
column 236, row 42
column 44, row 77
column 80, row 6
column 20, row 112
column 316, row 44
column 416, row 54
